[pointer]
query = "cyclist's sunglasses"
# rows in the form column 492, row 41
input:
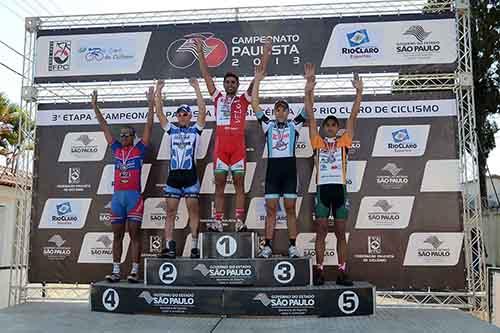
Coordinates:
column 125, row 135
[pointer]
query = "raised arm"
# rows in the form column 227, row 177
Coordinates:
column 259, row 76
column 202, row 108
column 309, row 74
column 351, row 122
column 264, row 60
column 102, row 122
column 159, row 103
column 148, row 128
column 204, row 67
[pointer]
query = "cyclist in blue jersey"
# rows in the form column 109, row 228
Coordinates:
column 182, row 177
column 281, row 175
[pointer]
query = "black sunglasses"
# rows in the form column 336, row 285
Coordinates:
column 125, row 135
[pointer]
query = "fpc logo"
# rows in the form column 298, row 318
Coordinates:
column 59, row 56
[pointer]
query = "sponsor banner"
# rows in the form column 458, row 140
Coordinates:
column 57, row 248
column 389, row 43
column 256, row 216
column 107, row 183
column 354, row 177
column 82, row 55
column 208, row 182
column 155, row 214
column 401, row 141
column 375, row 251
column 64, row 213
column 372, row 43
column 392, row 177
column 342, row 110
column 306, row 245
column 83, row 146
column 97, row 248
column 385, row 212
column 441, row 176
column 434, row 249
column 201, row 149
column 74, row 182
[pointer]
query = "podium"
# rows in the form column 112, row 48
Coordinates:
column 229, row 280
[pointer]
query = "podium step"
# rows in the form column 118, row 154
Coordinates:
column 216, row 272
column 329, row 300
column 228, row 245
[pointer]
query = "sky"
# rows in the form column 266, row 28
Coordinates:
column 13, row 12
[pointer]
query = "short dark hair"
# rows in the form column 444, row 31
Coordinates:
column 231, row 74
column 332, row 118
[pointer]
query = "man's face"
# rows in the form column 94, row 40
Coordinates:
column 331, row 127
column 126, row 136
column 280, row 113
column 231, row 85
column 184, row 118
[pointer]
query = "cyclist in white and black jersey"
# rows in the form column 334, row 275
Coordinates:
column 281, row 175
column 182, row 179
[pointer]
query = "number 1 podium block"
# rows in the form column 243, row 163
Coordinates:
column 228, row 245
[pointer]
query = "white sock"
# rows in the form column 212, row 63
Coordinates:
column 116, row 268
column 135, row 268
column 194, row 243
column 166, row 243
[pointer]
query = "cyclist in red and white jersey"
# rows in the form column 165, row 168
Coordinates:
column 230, row 149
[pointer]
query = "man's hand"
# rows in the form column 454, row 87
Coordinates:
column 94, row 99
column 358, row 84
column 159, row 86
column 260, row 73
column 150, row 94
column 310, row 75
column 268, row 45
column 194, row 83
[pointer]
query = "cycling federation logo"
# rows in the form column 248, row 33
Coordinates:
column 434, row 249
column 392, row 179
column 59, row 56
column 181, row 53
column 56, row 250
column 360, row 45
column 374, row 245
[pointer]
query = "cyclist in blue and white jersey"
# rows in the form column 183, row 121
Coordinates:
column 182, row 179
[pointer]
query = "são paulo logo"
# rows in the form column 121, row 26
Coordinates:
column 392, row 179
column 383, row 213
column 285, row 301
column 359, row 44
column 181, row 53
column 435, row 248
column 56, row 251
column 162, row 299
column 417, row 43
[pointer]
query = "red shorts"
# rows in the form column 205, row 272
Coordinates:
column 229, row 154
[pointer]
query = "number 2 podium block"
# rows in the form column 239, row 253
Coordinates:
column 228, row 245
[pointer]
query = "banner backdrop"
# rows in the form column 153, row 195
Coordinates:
column 336, row 45
column 405, row 224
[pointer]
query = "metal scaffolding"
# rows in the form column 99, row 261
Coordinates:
column 460, row 82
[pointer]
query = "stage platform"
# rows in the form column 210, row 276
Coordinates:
column 77, row 318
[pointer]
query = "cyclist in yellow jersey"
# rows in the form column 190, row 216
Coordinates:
column 331, row 170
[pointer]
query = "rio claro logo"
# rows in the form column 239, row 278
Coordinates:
column 359, row 44
column 408, row 140
column 181, row 53
column 97, row 248
column 59, row 56
column 83, row 146
column 434, row 249
column 64, row 213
